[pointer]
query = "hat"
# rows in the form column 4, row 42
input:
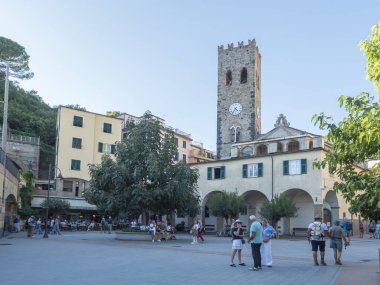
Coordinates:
column 252, row 217
column 238, row 222
column 318, row 217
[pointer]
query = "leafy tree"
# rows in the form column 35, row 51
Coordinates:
column 75, row 107
column 227, row 205
column 371, row 49
column 281, row 206
column 56, row 205
column 143, row 176
column 113, row 113
column 355, row 139
column 17, row 58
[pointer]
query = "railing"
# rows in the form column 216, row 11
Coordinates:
column 9, row 164
column 23, row 139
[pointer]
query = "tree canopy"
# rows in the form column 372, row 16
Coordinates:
column 282, row 206
column 356, row 139
column 227, row 205
column 15, row 55
column 143, row 175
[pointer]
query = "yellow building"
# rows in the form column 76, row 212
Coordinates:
column 81, row 139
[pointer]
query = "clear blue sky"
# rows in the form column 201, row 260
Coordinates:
column 161, row 56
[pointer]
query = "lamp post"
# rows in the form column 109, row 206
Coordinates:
column 48, row 197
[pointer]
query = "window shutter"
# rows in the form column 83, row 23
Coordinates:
column 245, row 170
column 100, row 147
column 209, row 173
column 303, row 166
column 260, row 170
column 222, row 172
column 113, row 148
column 286, row 167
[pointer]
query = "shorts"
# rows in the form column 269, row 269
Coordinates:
column 236, row 244
column 318, row 243
column 336, row 243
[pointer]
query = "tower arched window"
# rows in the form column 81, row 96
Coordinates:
column 235, row 134
column 261, row 149
column 293, row 146
column 228, row 77
column 243, row 75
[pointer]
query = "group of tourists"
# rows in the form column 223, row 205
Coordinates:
column 159, row 231
column 33, row 226
column 197, row 232
column 260, row 235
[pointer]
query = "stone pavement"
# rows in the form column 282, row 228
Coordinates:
column 97, row 258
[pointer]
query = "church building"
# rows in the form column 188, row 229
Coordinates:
column 259, row 166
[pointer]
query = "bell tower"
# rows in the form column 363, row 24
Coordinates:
column 239, row 96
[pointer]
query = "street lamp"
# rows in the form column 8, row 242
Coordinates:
column 48, row 196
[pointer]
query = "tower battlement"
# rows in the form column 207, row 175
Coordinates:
column 230, row 46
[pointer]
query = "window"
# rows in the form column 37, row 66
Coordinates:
column 228, row 77
column 75, row 164
column 235, row 134
column 247, row 151
column 77, row 143
column 261, row 149
column 294, row 167
column 184, row 157
column 293, row 146
column 107, row 128
column 106, row 148
column 176, row 141
column 253, row 170
column 216, row 172
column 78, row 121
column 184, row 144
column 243, row 75
column 176, row 156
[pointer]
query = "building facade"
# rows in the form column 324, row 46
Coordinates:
column 239, row 96
column 82, row 138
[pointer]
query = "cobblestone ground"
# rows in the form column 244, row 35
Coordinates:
column 97, row 258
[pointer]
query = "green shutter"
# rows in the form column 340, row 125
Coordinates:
column 113, row 148
column 286, row 167
column 303, row 166
column 245, row 170
column 209, row 173
column 260, row 169
column 100, row 147
column 222, row 172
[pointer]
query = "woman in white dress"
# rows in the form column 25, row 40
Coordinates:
column 266, row 247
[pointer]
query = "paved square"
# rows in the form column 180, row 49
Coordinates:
column 97, row 258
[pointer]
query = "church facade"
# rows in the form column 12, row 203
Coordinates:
column 259, row 166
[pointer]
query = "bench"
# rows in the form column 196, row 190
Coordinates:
column 301, row 231
column 209, row 228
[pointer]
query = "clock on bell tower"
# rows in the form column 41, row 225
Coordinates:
column 239, row 95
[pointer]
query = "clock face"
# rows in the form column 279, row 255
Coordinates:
column 235, row 109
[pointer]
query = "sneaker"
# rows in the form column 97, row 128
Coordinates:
column 323, row 263
column 242, row 264
column 269, row 266
column 152, row 240
column 232, row 265
column 253, row 269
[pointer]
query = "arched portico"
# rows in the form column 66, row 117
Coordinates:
column 331, row 205
column 207, row 218
column 305, row 211
column 254, row 202
column 10, row 209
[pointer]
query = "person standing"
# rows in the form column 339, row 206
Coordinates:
column 103, row 223
column 361, row 230
column 16, row 223
column 256, row 239
column 377, row 235
column 266, row 248
column 152, row 230
column 31, row 224
column 372, row 229
column 38, row 230
column 194, row 230
column 200, row 231
column 237, row 244
column 336, row 234
column 109, row 222
column 317, row 231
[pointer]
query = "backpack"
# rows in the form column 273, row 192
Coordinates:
column 316, row 230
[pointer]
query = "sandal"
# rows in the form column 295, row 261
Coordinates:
column 242, row 264
column 232, row 265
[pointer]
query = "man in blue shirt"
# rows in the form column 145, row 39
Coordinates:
column 256, row 239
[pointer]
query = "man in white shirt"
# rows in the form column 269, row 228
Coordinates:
column 317, row 231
